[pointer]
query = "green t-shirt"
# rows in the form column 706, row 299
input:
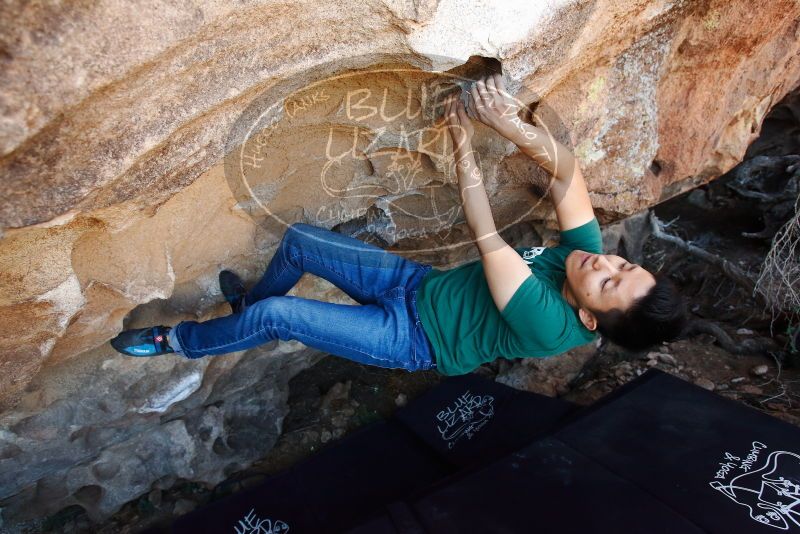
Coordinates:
column 466, row 329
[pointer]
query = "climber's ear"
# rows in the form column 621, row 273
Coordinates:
column 587, row 318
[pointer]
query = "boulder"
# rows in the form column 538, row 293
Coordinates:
column 145, row 147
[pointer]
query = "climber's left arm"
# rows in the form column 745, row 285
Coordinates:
column 503, row 267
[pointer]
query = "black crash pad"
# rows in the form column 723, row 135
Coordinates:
column 724, row 465
column 463, row 422
column 469, row 420
column 657, row 455
column 545, row 487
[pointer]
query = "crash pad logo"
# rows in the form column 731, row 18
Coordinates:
column 766, row 483
column 252, row 524
column 468, row 414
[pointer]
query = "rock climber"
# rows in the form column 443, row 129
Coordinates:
column 511, row 303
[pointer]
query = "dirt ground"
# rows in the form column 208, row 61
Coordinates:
column 337, row 396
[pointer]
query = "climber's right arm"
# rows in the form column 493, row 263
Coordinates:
column 493, row 106
column 568, row 191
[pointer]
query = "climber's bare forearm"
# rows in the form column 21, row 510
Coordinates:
column 536, row 143
column 568, row 190
column 492, row 105
column 475, row 202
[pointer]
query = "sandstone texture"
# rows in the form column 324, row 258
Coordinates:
column 145, row 146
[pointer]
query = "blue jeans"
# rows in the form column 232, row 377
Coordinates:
column 383, row 329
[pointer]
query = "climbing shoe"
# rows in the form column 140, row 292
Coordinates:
column 150, row 341
column 233, row 289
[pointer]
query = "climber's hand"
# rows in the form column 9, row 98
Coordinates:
column 458, row 123
column 491, row 104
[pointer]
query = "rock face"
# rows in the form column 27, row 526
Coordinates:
column 129, row 181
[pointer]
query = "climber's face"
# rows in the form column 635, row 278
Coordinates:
column 602, row 282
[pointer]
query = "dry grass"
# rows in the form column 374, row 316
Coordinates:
column 779, row 279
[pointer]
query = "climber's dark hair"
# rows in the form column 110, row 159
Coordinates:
column 660, row 315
